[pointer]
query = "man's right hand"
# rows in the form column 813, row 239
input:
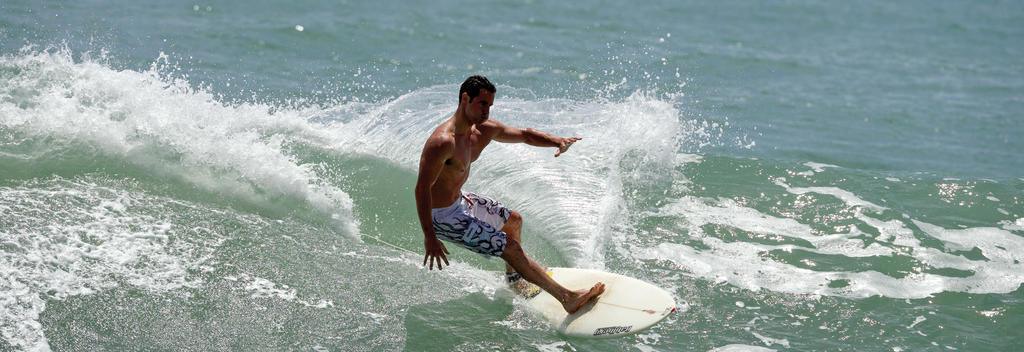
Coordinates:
column 435, row 252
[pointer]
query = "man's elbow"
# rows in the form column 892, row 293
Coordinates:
column 421, row 191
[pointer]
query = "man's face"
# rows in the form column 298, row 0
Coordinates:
column 479, row 108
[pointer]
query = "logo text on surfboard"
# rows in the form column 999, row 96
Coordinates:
column 610, row 330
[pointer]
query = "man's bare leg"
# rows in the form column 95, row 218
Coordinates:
column 571, row 301
column 513, row 228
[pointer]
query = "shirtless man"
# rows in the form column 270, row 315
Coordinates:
column 473, row 221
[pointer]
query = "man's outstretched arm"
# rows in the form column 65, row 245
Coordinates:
column 431, row 163
column 509, row 134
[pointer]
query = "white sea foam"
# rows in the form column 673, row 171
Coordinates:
column 1017, row 225
column 165, row 126
column 264, row 288
column 89, row 239
column 819, row 167
column 995, row 244
column 644, row 348
column 846, row 196
column 768, row 341
column 155, row 123
column 741, row 348
column 991, row 313
column 375, row 316
column 744, row 264
column 554, row 347
column 919, row 319
column 726, row 211
column 815, row 168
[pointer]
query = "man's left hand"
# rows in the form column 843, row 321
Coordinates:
column 564, row 144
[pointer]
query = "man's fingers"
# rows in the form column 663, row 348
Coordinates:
column 435, row 259
column 436, row 255
column 431, row 259
column 441, row 257
column 565, row 145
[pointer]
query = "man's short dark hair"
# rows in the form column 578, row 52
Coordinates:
column 474, row 84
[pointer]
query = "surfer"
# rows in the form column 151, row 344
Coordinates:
column 474, row 221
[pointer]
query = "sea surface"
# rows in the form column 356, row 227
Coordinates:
column 238, row 175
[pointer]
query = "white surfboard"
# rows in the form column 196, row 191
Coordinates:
column 627, row 305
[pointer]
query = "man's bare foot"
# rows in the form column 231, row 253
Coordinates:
column 579, row 298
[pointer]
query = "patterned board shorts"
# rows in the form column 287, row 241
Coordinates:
column 474, row 222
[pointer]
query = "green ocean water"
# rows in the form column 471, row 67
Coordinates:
column 800, row 175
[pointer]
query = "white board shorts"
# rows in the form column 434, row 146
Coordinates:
column 474, row 222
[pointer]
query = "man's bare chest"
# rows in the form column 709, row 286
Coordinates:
column 468, row 149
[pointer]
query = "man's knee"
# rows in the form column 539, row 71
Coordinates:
column 514, row 219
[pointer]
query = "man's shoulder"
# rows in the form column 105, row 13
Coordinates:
column 439, row 143
column 490, row 127
column 491, row 123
